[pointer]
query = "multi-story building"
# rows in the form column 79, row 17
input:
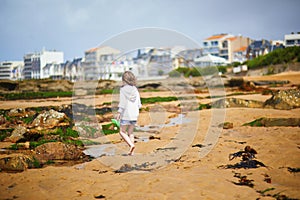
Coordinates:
column 240, row 55
column 73, row 71
column 70, row 70
column 35, row 62
column 54, row 71
column 97, row 62
column 153, row 62
column 27, row 72
column 11, row 70
column 216, row 45
column 258, row 48
column 292, row 39
column 225, row 45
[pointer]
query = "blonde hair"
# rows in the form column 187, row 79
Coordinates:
column 129, row 78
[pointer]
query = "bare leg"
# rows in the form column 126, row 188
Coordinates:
column 127, row 139
column 131, row 136
column 130, row 133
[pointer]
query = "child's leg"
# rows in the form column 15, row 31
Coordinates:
column 131, row 136
column 126, row 137
column 130, row 132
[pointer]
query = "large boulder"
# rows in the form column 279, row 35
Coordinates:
column 17, row 162
column 57, row 151
column 284, row 99
column 49, row 118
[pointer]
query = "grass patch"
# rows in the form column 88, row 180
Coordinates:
column 105, row 91
column 158, row 99
column 28, row 120
column 35, row 95
column 34, row 144
column 204, row 106
column 74, row 142
column 66, row 133
column 50, row 162
column 5, row 133
column 256, row 122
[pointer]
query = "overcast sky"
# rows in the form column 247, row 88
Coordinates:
column 74, row 26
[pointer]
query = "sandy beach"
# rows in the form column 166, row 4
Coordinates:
column 201, row 170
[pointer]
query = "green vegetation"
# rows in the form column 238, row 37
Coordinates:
column 5, row 133
column 35, row 95
column 68, row 132
column 278, row 56
column 36, row 163
column 204, row 106
column 256, row 122
column 157, row 99
column 105, row 91
column 197, row 71
column 34, row 144
column 28, row 120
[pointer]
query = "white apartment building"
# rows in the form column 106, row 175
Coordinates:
column 35, row 63
column 97, row 64
column 11, row 70
column 292, row 39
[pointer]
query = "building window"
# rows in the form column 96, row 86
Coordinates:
column 290, row 42
column 214, row 43
column 225, row 44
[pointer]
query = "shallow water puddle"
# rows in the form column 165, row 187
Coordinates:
column 109, row 149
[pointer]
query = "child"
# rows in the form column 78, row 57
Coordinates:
column 129, row 106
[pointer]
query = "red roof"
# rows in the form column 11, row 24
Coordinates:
column 214, row 37
column 92, row 50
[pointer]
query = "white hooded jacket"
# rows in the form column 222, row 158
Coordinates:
column 130, row 103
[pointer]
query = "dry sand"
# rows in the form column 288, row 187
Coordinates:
column 190, row 177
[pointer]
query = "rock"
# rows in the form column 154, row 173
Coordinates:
column 235, row 102
column 2, row 120
column 17, row 162
column 57, row 151
column 16, row 112
column 226, row 125
column 49, row 118
column 268, row 122
column 17, row 134
column 284, row 99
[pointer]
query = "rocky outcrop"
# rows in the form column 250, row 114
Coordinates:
column 235, row 102
column 284, row 100
column 17, row 162
column 57, row 151
column 268, row 122
column 48, row 119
